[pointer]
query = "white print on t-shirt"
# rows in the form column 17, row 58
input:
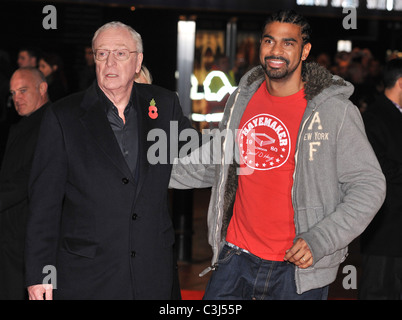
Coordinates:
column 264, row 142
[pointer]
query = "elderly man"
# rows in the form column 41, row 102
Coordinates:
column 29, row 92
column 99, row 211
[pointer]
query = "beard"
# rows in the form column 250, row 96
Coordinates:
column 278, row 73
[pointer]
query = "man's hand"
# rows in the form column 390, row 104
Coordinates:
column 40, row 292
column 299, row 254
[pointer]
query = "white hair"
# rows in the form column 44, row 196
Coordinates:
column 117, row 24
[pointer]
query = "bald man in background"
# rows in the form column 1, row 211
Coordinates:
column 28, row 88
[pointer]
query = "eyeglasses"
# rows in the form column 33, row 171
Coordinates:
column 119, row 54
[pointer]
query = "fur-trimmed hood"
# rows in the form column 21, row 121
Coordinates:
column 316, row 78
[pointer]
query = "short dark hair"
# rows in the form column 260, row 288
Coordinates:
column 291, row 16
column 392, row 72
column 32, row 52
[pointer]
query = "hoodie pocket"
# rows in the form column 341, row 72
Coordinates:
column 332, row 260
column 308, row 217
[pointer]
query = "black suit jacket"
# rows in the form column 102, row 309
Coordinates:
column 14, row 176
column 108, row 233
column 383, row 123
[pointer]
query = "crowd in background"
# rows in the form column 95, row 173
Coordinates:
column 359, row 67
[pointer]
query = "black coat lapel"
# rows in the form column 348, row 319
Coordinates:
column 95, row 120
column 143, row 164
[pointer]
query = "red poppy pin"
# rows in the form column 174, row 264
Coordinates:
column 153, row 110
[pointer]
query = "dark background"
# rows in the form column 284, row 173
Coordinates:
column 156, row 21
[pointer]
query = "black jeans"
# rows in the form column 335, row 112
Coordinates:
column 381, row 278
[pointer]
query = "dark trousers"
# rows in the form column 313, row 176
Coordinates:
column 12, row 280
column 381, row 278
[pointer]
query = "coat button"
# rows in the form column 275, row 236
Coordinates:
column 134, row 216
column 132, row 254
column 125, row 180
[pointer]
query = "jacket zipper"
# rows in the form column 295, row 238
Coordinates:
column 294, row 182
column 296, row 157
column 214, row 266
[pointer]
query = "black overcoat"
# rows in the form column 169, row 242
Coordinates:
column 383, row 123
column 107, row 232
column 14, row 176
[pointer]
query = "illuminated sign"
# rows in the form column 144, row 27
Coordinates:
column 208, row 94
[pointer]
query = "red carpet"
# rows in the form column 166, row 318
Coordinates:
column 191, row 295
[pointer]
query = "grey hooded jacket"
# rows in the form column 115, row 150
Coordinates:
column 338, row 184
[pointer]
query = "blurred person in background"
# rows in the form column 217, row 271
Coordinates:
column 144, row 76
column 381, row 242
column 29, row 92
column 51, row 65
column 8, row 115
column 87, row 74
column 28, row 57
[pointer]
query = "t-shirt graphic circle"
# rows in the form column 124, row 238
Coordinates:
column 264, row 142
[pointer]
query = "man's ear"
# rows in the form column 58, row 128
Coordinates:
column 306, row 51
column 43, row 88
column 140, row 57
column 399, row 81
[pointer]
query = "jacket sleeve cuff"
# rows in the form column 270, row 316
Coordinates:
column 315, row 248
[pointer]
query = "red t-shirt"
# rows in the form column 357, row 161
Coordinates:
column 262, row 221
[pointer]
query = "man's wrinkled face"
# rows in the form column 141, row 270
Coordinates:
column 114, row 75
column 282, row 50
